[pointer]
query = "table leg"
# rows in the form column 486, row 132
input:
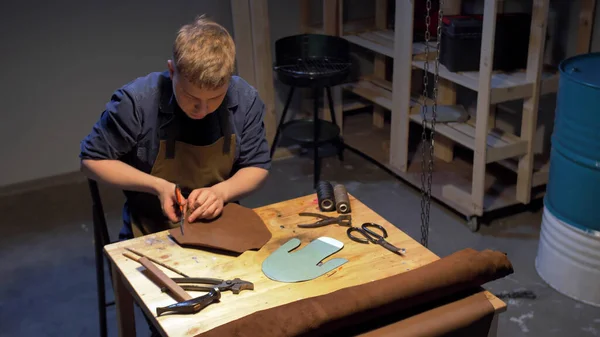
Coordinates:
column 494, row 326
column 124, row 306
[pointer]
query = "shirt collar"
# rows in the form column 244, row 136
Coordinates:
column 168, row 101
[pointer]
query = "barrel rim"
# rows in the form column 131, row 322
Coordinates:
column 579, row 227
column 564, row 74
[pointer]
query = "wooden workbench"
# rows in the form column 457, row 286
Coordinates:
column 366, row 263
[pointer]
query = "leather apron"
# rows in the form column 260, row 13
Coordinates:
column 190, row 166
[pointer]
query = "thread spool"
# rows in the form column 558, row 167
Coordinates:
column 325, row 196
column 342, row 200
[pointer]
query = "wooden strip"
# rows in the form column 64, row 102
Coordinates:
column 385, row 33
column 443, row 148
column 403, row 47
column 495, row 154
column 461, row 198
column 483, row 105
column 541, row 177
column 331, row 27
column 330, row 17
column 261, row 39
column 305, row 25
column 380, row 82
column 242, row 32
column 378, row 39
column 340, row 21
column 365, row 43
column 457, row 78
column 379, row 62
column 457, row 136
column 492, row 140
column 530, row 106
column 173, row 269
column 586, row 20
column 161, row 279
column 371, row 92
column 500, row 95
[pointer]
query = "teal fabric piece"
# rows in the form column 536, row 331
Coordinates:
column 304, row 264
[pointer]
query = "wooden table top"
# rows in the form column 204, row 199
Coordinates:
column 366, row 263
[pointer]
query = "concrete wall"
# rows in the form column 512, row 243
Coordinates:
column 63, row 59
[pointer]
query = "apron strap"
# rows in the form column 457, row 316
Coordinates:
column 171, row 135
column 225, row 129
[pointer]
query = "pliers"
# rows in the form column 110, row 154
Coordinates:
column 213, row 286
column 236, row 285
column 342, row 220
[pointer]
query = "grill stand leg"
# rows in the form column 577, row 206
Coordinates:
column 316, row 136
column 282, row 120
column 340, row 141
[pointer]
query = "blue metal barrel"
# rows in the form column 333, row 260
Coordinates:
column 573, row 189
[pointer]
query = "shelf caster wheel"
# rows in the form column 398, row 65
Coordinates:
column 473, row 223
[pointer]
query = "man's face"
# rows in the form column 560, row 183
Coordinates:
column 194, row 101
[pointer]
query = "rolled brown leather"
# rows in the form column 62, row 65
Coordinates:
column 324, row 315
column 470, row 315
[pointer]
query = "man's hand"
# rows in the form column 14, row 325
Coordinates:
column 168, row 200
column 205, row 203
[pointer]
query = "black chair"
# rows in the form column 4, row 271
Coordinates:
column 318, row 62
column 101, row 239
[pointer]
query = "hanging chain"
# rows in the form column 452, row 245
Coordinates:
column 427, row 156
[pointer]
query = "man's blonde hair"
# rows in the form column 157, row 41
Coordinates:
column 204, row 53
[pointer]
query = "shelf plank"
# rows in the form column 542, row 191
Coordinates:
column 500, row 145
column 372, row 92
column 382, row 41
column 504, row 86
column 349, row 27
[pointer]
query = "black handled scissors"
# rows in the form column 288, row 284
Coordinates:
column 371, row 236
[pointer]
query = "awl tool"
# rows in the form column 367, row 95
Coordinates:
column 180, row 202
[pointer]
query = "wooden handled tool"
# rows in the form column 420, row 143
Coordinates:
column 160, row 278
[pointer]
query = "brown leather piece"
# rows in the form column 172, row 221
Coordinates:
column 359, row 305
column 466, row 316
column 236, row 230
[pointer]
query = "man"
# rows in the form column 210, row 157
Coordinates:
column 196, row 125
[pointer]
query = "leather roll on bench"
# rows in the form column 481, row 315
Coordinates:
column 463, row 271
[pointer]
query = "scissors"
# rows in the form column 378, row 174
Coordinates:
column 180, row 199
column 371, row 236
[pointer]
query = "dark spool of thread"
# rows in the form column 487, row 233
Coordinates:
column 325, row 196
column 342, row 200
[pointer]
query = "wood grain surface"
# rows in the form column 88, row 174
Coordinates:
column 367, row 262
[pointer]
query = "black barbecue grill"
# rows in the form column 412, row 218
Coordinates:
column 318, row 62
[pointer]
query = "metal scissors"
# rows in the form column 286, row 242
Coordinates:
column 180, row 199
column 371, row 236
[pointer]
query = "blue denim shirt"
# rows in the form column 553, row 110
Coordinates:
column 129, row 127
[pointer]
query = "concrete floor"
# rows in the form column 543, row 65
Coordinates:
column 48, row 284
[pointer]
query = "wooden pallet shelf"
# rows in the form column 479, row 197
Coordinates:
column 487, row 144
column 499, row 189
